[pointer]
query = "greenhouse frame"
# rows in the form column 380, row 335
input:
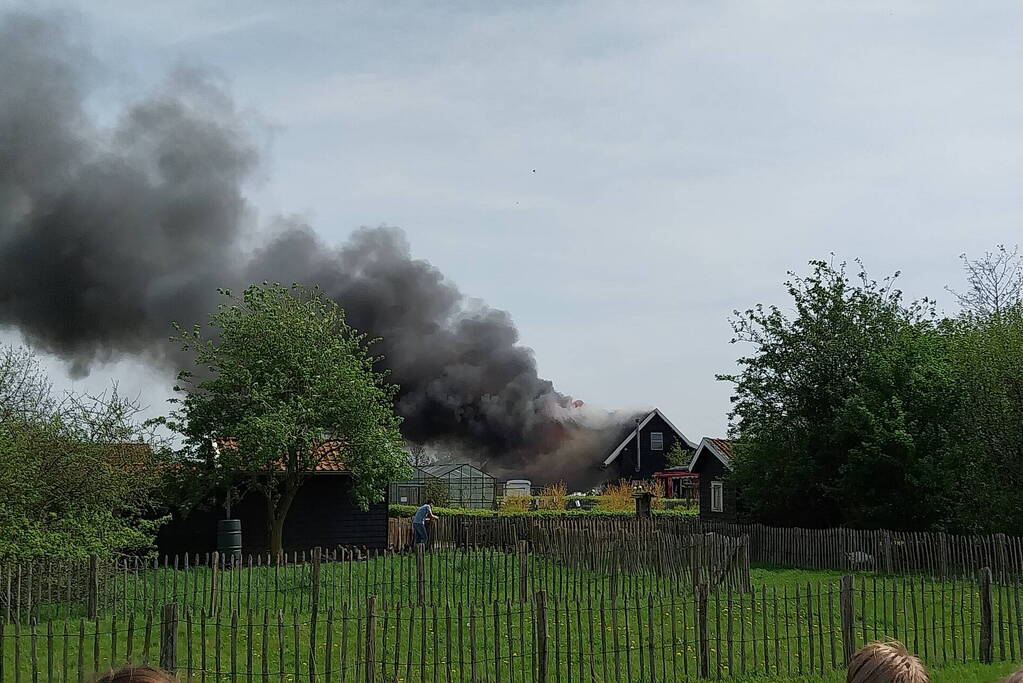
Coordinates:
column 451, row 485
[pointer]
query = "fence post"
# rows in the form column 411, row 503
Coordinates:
column 314, row 607
column 370, row 638
column 420, row 579
column 704, row 641
column 10, row 596
column 541, row 637
column 885, row 551
column 1002, row 556
column 846, row 612
column 986, row 624
column 169, row 637
column 743, row 562
column 93, row 588
column 213, row 580
column 523, row 558
column 314, row 599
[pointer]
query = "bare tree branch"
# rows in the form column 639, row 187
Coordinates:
column 994, row 282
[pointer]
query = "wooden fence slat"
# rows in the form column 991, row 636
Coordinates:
column 703, row 656
column 370, row 669
column 846, row 614
column 984, row 586
column 169, row 637
column 81, row 651
column 281, row 668
column 541, row 637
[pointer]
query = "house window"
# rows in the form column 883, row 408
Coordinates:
column 656, row 441
column 717, row 496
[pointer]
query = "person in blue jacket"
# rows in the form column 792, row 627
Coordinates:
column 424, row 513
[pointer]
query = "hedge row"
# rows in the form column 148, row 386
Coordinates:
column 403, row 511
column 596, row 499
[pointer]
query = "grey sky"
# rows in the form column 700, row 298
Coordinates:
column 618, row 176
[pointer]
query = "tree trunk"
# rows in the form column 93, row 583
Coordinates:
column 276, row 531
column 276, row 514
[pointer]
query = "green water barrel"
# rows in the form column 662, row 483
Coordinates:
column 229, row 539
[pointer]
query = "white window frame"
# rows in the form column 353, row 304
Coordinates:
column 660, row 445
column 717, row 496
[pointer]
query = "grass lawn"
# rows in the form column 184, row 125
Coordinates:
column 787, row 628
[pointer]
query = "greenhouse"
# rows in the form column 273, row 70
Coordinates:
column 452, row 485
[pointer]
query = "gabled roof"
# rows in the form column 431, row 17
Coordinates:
column 632, row 432
column 719, row 448
column 329, row 454
column 462, row 469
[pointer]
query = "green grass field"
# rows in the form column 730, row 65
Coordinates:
column 258, row 625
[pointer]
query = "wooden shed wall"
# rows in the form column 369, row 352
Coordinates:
column 711, row 469
column 323, row 514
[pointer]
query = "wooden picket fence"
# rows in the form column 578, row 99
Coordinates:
column 796, row 630
column 559, row 563
column 892, row 552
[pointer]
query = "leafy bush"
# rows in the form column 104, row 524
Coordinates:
column 71, row 484
column 437, row 491
column 90, row 531
column 687, row 511
column 552, row 497
column 400, row 511
column 656, row 487
column 514, row 505
column 617, row 497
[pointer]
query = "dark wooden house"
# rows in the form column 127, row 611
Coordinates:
column 712, row 460
column 323, row 514
column 643, row 448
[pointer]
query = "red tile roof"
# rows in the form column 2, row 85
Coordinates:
column 723, row 445
column 130, row 457
column 329, row 454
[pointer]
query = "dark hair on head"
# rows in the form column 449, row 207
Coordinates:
column 885, row 663
column 429, row 501
column 137, row 674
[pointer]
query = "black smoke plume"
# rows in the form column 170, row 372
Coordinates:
column 109, row 233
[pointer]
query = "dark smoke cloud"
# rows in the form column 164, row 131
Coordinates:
column 109, row 234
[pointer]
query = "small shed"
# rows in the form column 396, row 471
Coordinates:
column 712, row 460
column 459, row 485
column 324, row 514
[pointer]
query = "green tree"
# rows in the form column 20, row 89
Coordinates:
column 77, row 473
column 989, row 371
column 678, row 456
column 280, row 374
column 837, row 410
column 902, row 426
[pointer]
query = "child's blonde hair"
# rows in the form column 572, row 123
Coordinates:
column 885, row 663
column 1015, row 677
column 137, row 674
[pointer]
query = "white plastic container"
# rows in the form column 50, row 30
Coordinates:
column 517, row 487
